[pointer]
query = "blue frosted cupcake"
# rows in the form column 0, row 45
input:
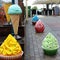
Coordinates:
column 34, row 19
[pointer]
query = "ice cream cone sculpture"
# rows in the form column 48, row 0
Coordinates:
column 15, row 22
column 6, row 5
column 14, row 11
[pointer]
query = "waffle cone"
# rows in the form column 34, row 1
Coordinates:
column 6, row 6
column 15, row 22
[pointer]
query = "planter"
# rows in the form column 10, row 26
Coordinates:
column 13, row 57
column 33, row 23
column 50, row 52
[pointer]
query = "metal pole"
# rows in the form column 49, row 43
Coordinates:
column 26, row 11
column 13, row 1
column 43, row 10
column 51, row 7
column 16, row 1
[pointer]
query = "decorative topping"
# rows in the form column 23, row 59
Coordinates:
column 39, row 26
column 50, row 42
column 35, row 18
column 10, row 46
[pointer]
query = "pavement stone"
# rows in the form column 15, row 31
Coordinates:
column 33, row 40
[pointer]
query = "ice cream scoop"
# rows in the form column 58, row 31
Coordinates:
column 14, row 9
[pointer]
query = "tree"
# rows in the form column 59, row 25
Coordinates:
column 34, row 8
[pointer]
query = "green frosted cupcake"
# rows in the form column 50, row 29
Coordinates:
column 50, row 44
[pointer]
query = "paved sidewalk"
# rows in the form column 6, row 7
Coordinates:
column 33, row 40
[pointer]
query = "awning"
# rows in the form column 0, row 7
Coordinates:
column 46, row 1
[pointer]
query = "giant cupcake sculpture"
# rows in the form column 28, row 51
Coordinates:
column 14, row 11
column 39, row 26
column 35, row 19
column 10, row 49
column 50, row 45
